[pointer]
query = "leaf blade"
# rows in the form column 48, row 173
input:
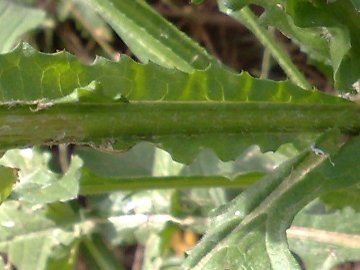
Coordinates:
column 15, row 20
column 159, row 41
column 251, row 226
column 174, row 102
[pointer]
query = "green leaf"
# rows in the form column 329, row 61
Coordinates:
column 341, row 34
column 37, row 183
column 16, row 20
column 324, row 239
column 235, row 116
column 87, row 17
column 127, row 213
column 31, row 239
column 232, row 5
column 275, row 15
column 196, row 2
column 328, row 31
column 50, row 76
column 150, row 37
column 356, row 4
column 146, row 167
column 306, row 38
column 7, row 181
column 344, row 197
column 250, row 231
column 247, row 18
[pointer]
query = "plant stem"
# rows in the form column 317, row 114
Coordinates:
column 93, row 123
column 93, row 184
column 266, row 60
column 247, row 18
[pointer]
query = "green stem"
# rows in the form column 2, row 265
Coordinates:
column 266, row 60
column 247, row 18
column 93, row 184
column 93, row 123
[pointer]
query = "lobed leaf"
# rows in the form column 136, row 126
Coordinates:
column 342, row 35
column 250, row 231
column 113, row 97
column 28, row 75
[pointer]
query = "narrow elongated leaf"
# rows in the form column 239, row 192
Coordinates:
column 173, row 101
column 16, row 20
column 28, row 75
column 250, row 231
column 150, row 36
column 312, row 41
column 89, row 19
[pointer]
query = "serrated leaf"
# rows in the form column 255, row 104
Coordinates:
column 250, row 231
column 306, row 38
column 56, row 75
column 342, row 34
column 275, row 15
column 337, row 24
column 16, row 20
column 235, row 116
column 327, row 30
column 150, row 36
